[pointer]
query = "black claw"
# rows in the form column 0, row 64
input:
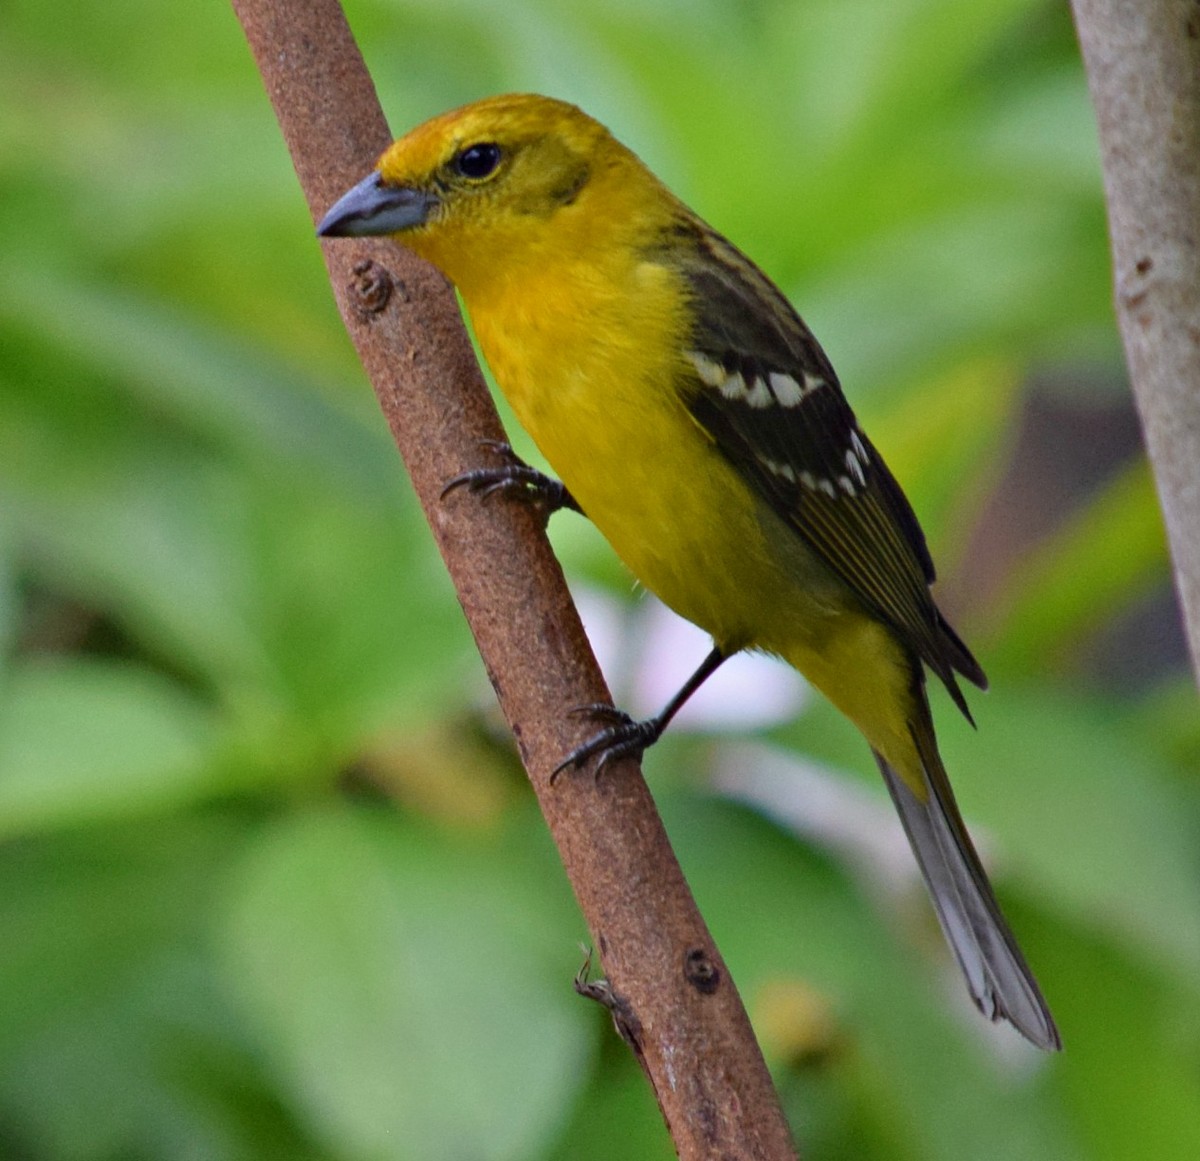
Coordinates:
column 514, row 478
column 624, row 738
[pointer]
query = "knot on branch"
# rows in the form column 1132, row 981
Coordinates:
column 371, row 288
column 700, row 971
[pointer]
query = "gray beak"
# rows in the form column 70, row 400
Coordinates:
column 372, row 207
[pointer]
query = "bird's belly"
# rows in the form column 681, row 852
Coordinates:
column 604, row 410
column 685, row 523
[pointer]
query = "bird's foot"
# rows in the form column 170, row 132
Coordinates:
column 516, row 479
column 623, row 737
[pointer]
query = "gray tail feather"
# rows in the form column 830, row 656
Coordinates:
column 998, row 978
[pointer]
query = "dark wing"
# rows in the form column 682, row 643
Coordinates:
column 769, row 398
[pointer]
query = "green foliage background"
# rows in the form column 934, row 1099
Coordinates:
column 270, row 882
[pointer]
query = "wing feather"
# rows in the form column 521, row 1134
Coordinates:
column 768, row 396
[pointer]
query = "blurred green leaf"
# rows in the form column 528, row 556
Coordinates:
column 1090, row 817
column 399, row 1009
column 267, row 414
column 113, row 1040
column 946, row 437
column 10, row 611
column 160, row 545
column 616, row 1116
column 1110, row 552
column 1133, row 1087
column 84, row 741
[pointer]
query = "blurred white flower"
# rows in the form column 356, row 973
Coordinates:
column 647, row 653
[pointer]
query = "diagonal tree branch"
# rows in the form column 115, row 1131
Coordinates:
column 671, row 993
column 1143, row 65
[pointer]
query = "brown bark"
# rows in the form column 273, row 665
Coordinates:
column 1143, row 65
column 672, row 995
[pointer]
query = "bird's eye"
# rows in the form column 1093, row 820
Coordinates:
column 478, row 161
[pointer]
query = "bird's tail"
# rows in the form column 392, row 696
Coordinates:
column 998, row 977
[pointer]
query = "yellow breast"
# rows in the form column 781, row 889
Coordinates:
column 593, row 377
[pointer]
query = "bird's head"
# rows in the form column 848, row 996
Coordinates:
column 473, row 190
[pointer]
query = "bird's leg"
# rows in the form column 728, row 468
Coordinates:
column 514, row 478
column 624, row 737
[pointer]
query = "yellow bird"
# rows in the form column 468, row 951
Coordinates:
column 692, row 416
